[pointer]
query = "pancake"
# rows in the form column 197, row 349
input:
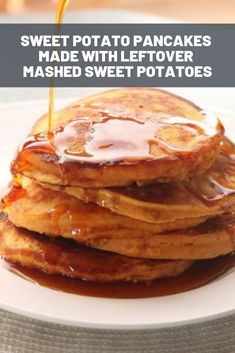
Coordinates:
column 67, row 258
column 211, row 239
column 121, row 137
column 209, row 194
column 58, row 214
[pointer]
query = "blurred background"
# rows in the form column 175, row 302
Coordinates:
column 185, row 10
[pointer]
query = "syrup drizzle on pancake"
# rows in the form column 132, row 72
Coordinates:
column 114, row 139
column 219, row 181
column 16, row 192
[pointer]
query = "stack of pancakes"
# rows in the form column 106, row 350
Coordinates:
column 132, row 184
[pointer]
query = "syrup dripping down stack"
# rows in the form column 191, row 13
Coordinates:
column 132, row 185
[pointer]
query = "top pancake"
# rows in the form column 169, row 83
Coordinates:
column 119, row 138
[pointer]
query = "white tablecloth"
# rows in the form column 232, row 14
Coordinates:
column 24, row 335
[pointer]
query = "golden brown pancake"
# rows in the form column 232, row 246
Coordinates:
column 209, row 194
column 121, row 137
column 58, row 214
column 213, row 238
column 30, row 250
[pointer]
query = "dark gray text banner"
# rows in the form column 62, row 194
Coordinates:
column 113, row 55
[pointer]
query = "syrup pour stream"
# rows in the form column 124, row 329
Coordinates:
column 141, row 149
column 60, row 11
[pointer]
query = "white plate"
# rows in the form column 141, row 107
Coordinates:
column 20, row 296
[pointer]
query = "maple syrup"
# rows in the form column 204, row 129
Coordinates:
column 16, row 192
column 60, row 11
column 109, row 140
column 219, row 181
column 199, row 274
